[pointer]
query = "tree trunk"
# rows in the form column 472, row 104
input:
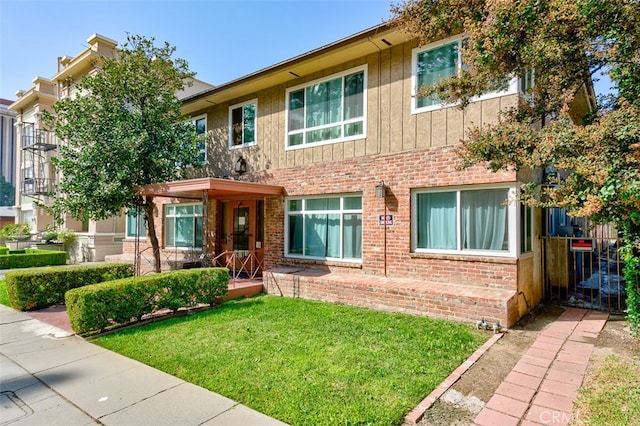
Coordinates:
column 149, row 207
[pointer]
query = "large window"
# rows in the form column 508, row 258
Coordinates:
column 441, row 60
column 136, row 224
column 201, row 130
column 329, row 110
column 242, row 124
column 432, row 65
column 324, row 227
column 183, row 225
column 476, row 220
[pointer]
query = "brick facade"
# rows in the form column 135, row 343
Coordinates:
column 403, row 149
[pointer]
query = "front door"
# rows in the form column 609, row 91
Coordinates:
column 241, row 228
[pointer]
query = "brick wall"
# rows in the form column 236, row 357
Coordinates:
column 411, row 296
column 432, row 167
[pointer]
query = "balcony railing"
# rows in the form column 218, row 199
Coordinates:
column 40, row 140
column 37, row 186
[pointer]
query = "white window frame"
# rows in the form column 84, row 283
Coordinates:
column 164, row 225
column 363, row 69
column 512, row 221
column 526, row 83
column 131, row 233
column 194, row 120
column 342, row 211
column 513, row 84
column 242, row 105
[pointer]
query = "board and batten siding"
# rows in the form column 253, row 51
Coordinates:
column 390, row 125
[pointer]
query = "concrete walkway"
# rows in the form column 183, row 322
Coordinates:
column 50, row 376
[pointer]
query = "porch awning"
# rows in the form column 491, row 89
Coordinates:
column 216, row 188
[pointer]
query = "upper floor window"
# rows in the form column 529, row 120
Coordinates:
column 526, row 83
column 430, row 65
column 242, row 124
column 324, row 227
column 201, row 130
column 328, row 110
column 474, row 221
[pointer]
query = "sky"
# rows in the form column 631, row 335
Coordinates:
column 221, row 39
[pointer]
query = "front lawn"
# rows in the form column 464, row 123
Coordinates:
column 306, row 362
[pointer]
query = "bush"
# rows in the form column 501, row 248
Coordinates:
column 96, row 307
column 43, row 287
column 15, row 230
column 4, row 250
column 28, row 258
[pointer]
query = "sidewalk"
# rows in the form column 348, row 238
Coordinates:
column 50, row 376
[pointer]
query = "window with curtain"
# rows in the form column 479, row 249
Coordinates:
column 183, row 225
column 324, row 227
column 330, row 110
column 461, row 220
column 136, row 224
column 242, row 124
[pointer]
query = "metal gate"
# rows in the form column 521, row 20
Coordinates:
column 584, row 272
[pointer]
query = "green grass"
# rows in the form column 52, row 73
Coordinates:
column 612, row 395
column 4, row 296
column 306, row 362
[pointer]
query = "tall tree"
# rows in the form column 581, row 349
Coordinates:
column 123, row 129
column 565, row 43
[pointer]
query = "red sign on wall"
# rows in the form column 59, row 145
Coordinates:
column 581, row 244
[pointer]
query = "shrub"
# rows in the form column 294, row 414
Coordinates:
column 49, row 233
column 15, row 231
column 96, row 307
column 43, row 287
column 27, row 258
column 4, row 250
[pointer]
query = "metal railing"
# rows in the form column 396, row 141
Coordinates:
column 241, row 264
column 584, row 272
column 244, row 264
column 38, row 186
column 40, row 140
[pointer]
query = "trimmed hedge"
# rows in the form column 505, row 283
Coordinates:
column 96, row 307
column 43, row 287
column 28, row 258
column 4, row 250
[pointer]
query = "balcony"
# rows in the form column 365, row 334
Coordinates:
column 39, row 140
column 37, row 186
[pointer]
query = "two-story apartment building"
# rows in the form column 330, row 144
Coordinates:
column 332, row 178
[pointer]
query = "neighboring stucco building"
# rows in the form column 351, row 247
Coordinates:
column 351, row 192
column 37, row 176
column 8, row 147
